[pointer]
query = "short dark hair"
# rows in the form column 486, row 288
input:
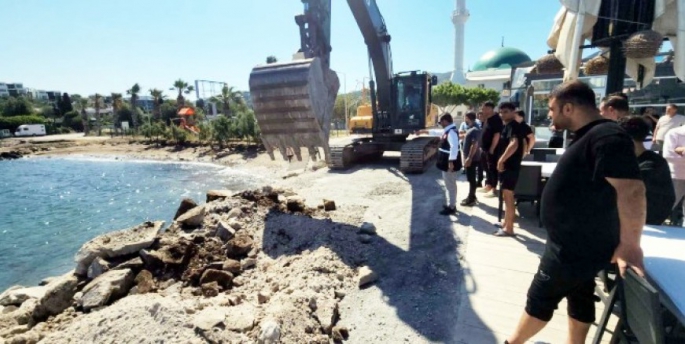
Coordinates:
column 489, row 104
column 521, row 114
column 636, row 126
column 619, row 94
column 574, row 92
column 619, row 103
column 471, row 115
column 446, row 117
column 507, row 105
column 673, row 106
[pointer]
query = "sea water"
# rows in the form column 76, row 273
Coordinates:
column 49, row 207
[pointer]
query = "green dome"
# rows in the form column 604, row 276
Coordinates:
column 502, row 58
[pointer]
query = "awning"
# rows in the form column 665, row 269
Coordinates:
column 574, row 23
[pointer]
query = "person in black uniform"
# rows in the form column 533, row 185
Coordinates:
column 492, row 129
column 512, row 143
column 593, row 208
column 527, row 132
column 654, row 169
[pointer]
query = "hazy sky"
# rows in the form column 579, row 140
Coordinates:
column 80, row 46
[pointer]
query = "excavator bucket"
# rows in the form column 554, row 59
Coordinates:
column 293, row 103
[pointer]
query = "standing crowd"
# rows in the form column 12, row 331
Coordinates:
column 618, row 173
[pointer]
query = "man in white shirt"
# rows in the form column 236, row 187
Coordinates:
column 674, row 153
column 667, row 122
column 449, row 160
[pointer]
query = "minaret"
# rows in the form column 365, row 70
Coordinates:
column 459, row 18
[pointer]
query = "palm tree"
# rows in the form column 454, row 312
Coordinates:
column 157, row 99
column 133, row 92
column 97, row 104
column 228, row 95
column 182, row 87
column 82, row 104
column 117, row 100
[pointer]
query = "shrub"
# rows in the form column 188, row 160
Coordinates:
column 13, row 122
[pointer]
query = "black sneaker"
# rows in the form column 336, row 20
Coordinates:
column 448, row 211
column 469, row 202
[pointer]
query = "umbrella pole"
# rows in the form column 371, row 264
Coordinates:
column 617, row 68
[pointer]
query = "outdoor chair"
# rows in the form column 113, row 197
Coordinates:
column 539, row 154
column 552, row 158
column 641, row 320
column 528, row 189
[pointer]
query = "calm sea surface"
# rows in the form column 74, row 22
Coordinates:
column 49, row 207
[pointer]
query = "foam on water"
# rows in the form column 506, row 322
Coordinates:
column 51, row 206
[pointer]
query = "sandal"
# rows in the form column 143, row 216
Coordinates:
column 501, row 233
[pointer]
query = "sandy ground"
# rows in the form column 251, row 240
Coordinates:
column 416, row 252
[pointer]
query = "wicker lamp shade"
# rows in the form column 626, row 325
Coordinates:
column 597, row 66
column 548, row 64
column 643, row 44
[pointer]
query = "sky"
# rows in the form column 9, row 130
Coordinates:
column 89, row 46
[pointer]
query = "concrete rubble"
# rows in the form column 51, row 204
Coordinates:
column 245, row 268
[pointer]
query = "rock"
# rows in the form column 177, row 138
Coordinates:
column 24, row 315
column 117, row 244
column 240, row 318
column 193, row 217
column 225, row 231
column 327, row 313
column 58, row 296
column 340, row 294
column 209, row 318
column 174, row 253
column 367, row 228
column 235, row 213
column 26, row 338
column 232, row 266
column 365, row 238
column 98, row 267
column 47, row 280
column 16, row 295
column 328, row 205
column 248, row 263
column 263, row 297
column 366, row 276
column 213, row 195
column 186, row 204
column 223, row 278
column 340, row 333
column 134, row 264
column 239, row 246
column 295, row 203
column 107, row 288
column 235, row 224
column 210, row 289
column 145, row 283
column 18, row 329
column 270, row 332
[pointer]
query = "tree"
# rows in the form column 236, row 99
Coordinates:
column 168, row 111
column 96, row 100
column 271, row 59
column 117, row 102
column 182, row 88
column 453, row 94
column 82, row 104
column 134, row 92
column 157, row 100
column 227, row 97
column 64, row 104
column 17, row 106
column 221, row 130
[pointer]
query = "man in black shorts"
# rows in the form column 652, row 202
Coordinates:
column 492, row 129
column 509, row 165
column 593, row 208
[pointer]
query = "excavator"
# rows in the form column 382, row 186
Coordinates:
column 293, row 101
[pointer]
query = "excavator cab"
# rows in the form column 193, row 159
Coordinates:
column 411, row 93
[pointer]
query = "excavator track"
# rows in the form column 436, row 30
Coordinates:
column 341, row 157
column 417, row 154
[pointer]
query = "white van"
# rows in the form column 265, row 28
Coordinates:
column 30, row 130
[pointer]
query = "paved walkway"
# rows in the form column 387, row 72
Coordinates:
column 497, row 274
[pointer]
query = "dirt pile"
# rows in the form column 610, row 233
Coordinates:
column 255, row 267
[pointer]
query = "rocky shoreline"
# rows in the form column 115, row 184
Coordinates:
column 249, row 267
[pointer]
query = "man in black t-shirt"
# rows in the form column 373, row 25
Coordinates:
column 527, row 131
column 511, row 145
column 492, row 129
column 654, row 169
column 593, row 208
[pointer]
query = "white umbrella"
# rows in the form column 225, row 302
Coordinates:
column 575, row 20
